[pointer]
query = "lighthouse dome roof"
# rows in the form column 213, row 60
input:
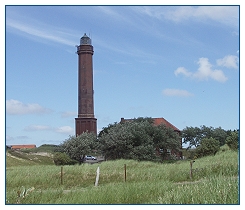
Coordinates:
column 85, row 40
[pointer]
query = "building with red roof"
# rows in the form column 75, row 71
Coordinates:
column 23, row 146
column 159, row 121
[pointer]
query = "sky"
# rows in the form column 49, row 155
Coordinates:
column 176, row 62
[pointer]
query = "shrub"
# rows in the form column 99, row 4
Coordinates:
column 232, row 140
column 138, row 139
column 209, row 146
column 63, row 159
column 76, row 147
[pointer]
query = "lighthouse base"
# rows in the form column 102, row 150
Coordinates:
column 85, row 125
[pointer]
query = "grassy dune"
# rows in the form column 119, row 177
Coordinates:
column 28, row 159
column 215, row 181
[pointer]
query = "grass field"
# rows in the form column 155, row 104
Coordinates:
column 215, row 181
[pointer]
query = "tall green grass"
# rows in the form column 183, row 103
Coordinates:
column 215, row 181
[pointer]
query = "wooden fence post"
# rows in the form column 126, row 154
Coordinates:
column 97, row 177
column 61, row 175
column 125, row 173
column 191, row 162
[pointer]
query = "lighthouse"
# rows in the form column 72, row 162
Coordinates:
column 86, row 120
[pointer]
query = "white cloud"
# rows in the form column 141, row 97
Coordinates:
column 62, row 129
column 180, row 13
column 227, row 15
column 65, row 130
column 229, row 61
column 176, row 92
column 182, row 70
column 109, row 11
column 37, row 128
column 40, row 30
column 15, row 107
column 204, row 72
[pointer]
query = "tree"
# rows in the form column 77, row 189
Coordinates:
column 143, row 119
column 105, row 129
column 142, row 141
column 137, row 139
column 208, row 146
column 220, row 135
column 233, row 140
column 165, row 138
column 115, row 141
column 127, row 140
column 194, row 135
column 206, row 132
column 77, row 147
column 61, row 158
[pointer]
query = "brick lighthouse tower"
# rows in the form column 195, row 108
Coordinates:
column 85, row 120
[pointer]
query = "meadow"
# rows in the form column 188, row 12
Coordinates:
column 215, row 181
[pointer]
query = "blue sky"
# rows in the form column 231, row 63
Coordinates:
column 176, row 62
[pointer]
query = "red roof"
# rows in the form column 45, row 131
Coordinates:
column 158, row 121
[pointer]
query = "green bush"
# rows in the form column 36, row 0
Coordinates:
column 232, row 140
column 209, row 146
column 76, row 147
column 138, row 139
column 63, row 159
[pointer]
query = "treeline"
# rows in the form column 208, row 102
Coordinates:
column 140, row 139
column 207, row 140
